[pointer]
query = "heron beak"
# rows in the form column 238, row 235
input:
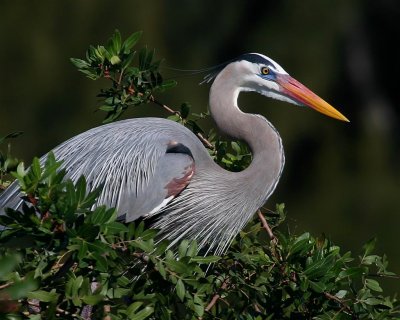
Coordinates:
column 301, row 94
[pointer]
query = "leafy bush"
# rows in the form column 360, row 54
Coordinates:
column 61, row 259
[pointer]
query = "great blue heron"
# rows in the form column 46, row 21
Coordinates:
column 155, row 166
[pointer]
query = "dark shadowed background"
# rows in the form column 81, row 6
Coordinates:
column 341, row 179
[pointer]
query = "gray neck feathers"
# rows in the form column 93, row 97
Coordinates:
column 218, row 203
column 262, row 138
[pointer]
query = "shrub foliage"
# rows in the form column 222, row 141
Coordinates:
column 62, row 259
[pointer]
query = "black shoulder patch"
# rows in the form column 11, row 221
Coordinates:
column 175, row 147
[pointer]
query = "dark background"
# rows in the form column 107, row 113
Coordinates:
column 341, row 179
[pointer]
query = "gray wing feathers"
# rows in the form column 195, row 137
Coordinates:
column 11, row 198
column 127, row 157
column 169, row 167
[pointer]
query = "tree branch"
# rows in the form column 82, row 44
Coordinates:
column 215, row 298
column 266, row 226
column 339, row 301
column 206, row 143
column 164, row 106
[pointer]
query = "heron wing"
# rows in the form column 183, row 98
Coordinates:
column 139, row 162
column 173, row 173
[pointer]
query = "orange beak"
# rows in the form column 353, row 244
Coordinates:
column 301, row 94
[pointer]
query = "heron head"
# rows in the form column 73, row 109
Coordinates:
column 263, row 75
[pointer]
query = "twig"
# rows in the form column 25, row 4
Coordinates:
column 141, row 256
column 205, row 141
column 381, row 275
column 164, row 106
column 266, row 226
column 215, row 298
column 107, row 310
column 339, row 301
column 6, row 285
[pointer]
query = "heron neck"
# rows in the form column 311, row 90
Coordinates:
column 255, row 130
column 262, row 138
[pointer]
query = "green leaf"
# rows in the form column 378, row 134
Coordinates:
column 368, row 260
column 199, row 310
column 21, row 289
column 130, row 312
column 11, row 136
column 369, row 246
column 115, row 60
column 301, row 243
column 91, row 197
column 83, row 250
column 116, row 39
column 373, row 301
column 79, row 63
column 76, row 284
column 183, row 246
column 36, row 169
column 107, row 108
column 351, row 272
column 185, row 110
column 207, row 259
column 180, row 289
column 93, row 299
column 236, row 147
column 373, row 285
column 115, row 227
column 127, row 62
column 148, row 234
column 168, row 84
column 139, row 230
column 341, row 294
column 80, row 189
column 317, row 286
column 8, row 263
column 102, row 216
column 43, row 296
column 174, row 117
column 131, row 41
column 146, row 246
column 161, row 269
column 143, row 314
column 176, row 266
column 192, row 250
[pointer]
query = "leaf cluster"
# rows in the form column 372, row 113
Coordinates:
column 130, row 85
column 60, row 258
column 8, row 162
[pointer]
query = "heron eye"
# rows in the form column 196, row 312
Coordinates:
column 265, row 70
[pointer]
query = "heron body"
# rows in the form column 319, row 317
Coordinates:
column 154, row 166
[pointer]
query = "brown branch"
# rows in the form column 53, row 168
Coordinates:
column 339, row 301
column 266, row 226
column 382, row 275
column 3, row 286
column 107, row 310
column 205, row 141
column 141, row 256
column 215, row 298
column 120, row 77
column 164, row 106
